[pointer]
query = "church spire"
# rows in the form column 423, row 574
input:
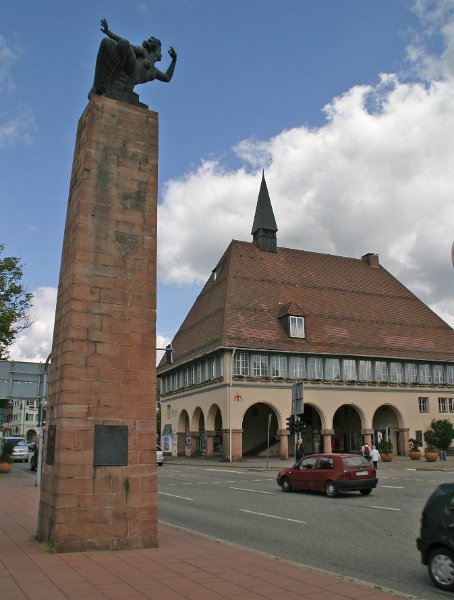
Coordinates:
column 264, row 227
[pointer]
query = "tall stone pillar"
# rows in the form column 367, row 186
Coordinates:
column 283, row 444
column 99, row 466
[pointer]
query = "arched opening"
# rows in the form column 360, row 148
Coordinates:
column 311, row 436
column 214, row 426
column 347, row 429
column 198, row 428
column 386, row 423
column 255, row 431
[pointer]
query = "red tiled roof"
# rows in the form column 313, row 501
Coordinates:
column 350, row 308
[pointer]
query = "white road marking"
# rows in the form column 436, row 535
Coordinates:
column 387, row 508
column 175, row 496
column 225, row 471
column 247, row 490
column 271, row 516
column 393, row 487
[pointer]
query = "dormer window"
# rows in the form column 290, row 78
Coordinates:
column 296, row 328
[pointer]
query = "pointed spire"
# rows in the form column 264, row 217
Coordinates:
column 264, row 227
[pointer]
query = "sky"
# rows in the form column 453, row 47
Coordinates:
column 347, row 105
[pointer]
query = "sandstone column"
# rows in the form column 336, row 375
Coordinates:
column 99, row 464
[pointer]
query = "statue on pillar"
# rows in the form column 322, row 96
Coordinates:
column 120, row 66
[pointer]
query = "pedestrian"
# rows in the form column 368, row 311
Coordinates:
column 366, row 451
column 299, row 454
column 375, row 457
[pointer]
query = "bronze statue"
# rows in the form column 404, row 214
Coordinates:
column 120, row 66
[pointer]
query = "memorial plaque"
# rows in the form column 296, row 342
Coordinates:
column 111, row 445
column 50, row 451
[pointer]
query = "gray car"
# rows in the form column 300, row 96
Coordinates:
column 20, row 448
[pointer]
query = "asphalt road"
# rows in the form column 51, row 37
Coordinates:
column 371, row 538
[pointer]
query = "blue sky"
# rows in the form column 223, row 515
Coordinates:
column 346, row 104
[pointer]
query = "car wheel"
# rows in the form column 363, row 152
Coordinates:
column 365, row 492
column 286, row 485
column 160, row 464
column 330, row 489
column 441, row 568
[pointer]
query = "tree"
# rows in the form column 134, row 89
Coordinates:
column 440, row 434
column 14, row 302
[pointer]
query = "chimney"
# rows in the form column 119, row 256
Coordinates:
column 371, row 259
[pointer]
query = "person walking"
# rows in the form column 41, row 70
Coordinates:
column 375, row 457
column 366, row 451
column 299, row 454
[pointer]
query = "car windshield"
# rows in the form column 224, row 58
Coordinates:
column 355, row 461
column 22, row 443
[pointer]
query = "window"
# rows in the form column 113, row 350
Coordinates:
column 451, row 404
column 395, row 372
column 442, row 405
column 198, row 373
column 424, row 374
column 438, row 373
column 241, row 364
column 279, row 366
column 411, row 373
column 297, row 367
column 450, row 374
column 381, row 370
column 332, row 368
column 365, row 370
column 296, row 327
column 423, row 405
column 418, row 437
column 259, row 365
column 315, row 367
column 349, row 369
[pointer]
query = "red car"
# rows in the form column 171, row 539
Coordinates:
column 329, row 473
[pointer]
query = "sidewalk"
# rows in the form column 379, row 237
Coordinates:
column 398, row 463
column 186, row 566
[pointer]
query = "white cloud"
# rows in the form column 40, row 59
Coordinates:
column 8, row 56
column 17, row 130
column 378, row 176
column 35, row 343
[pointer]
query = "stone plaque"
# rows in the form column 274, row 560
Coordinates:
column 111, row 445
column 50, row 450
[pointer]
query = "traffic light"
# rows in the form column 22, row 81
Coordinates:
column 291, row 423
column 299, row 426
column 169, row 354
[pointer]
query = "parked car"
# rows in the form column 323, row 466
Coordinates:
column 20, row 448
column 329, row 473
column 436, row 539
column 159, row 456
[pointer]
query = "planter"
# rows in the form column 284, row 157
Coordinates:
column 431, row 456
column 5, row 467
column 415, row 454
column 386, row 457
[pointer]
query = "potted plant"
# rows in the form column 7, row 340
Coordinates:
column 6, row 460
column 438, row 437
column 385, row 448
column 430, row 453
column 414, row 451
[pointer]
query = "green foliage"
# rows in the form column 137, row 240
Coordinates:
column 385, row 447
column 439, row 435
column 14, row 302
column 6, row 452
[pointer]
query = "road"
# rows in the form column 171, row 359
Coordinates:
column 370, row 538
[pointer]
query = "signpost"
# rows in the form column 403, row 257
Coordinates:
column 268, row 447
column 297, row 410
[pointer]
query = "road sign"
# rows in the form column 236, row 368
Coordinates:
column 298, row 398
